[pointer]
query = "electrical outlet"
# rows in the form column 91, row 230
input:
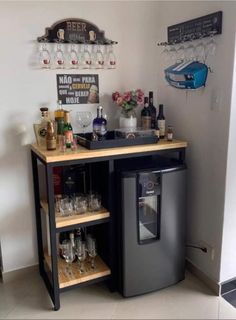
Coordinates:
column 210, row 250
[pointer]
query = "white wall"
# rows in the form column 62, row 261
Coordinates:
column 228, row 258
column 205, row 129
column 23, row 89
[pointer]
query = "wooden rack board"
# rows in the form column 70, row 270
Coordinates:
column 76, row 219
column 74, row 277
column 83, row 153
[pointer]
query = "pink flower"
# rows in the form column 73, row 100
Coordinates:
column 139, row 93
column 127, row 96
column 115, row 95
column 140, row 99
column 119, row 101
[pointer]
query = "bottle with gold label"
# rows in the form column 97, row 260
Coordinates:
column 40, row 128
column 51, row 140
column 59, row 117
column 68, row 131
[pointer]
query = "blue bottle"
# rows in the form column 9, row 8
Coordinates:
column 100, row 124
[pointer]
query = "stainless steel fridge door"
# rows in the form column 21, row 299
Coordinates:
column 160, row 263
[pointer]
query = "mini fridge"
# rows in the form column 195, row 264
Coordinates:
column 152, row 228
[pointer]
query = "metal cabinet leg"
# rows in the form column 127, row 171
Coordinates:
column 52, row 224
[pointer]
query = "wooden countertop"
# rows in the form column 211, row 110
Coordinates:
column 83, row 153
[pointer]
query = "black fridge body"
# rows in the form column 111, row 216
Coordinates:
column 152, row 229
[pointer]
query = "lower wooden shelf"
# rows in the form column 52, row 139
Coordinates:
column 73, row 277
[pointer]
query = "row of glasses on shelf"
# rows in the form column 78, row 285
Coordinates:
column 195, row 47
column 77, row 204
column 76, row 56
column 80, row 250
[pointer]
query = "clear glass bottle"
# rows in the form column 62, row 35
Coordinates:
column 59, row 118
column 170, row 133
column 40, row 128
column 100, row 124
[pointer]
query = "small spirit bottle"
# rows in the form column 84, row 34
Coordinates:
column 100, row 124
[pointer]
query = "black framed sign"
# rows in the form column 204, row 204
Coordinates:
column 78, row 88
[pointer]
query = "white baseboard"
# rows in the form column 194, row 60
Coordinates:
column 210, row 283
column 16, row 274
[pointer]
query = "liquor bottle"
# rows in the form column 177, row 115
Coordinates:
column 40, row 128
column 146, row 115
column 100, row 124
column 68, row 131
column 59, row 118
column 51, row 140
column 152, row 110
column 161, row 122
column 170, row 133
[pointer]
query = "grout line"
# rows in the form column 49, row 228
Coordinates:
column 228, row 292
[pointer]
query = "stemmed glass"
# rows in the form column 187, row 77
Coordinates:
column 111, row 58
column 99, row 58
column 81, row 254
column 73, row 57
column 211, row 46
column 44, row 56
column 200, row 49
column 189, row 51
column 59, row 59
column 86, row 59
column 84, row 119
column 92, row 251
column 69, row 254
column 173, row 54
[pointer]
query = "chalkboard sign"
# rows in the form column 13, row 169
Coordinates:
column 78, row 88
column 196, row 28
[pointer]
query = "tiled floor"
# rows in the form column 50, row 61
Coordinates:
column 190, row 299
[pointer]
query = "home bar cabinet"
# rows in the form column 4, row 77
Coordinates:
column 102, row 165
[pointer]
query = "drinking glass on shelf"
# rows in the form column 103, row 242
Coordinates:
column 81, row 254
column 84, row 119
column 68, row 253
column 57, row 205
column 80, row 204
column 66, row 206
column 44, row 56
column 59, row 59
column 92, row 251
column 94, row 202
column 86, row 60
column 111, row 58
column 73, row 57
column 62, row 143
column 74, row 144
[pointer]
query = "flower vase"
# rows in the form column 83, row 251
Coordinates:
column 128, row 119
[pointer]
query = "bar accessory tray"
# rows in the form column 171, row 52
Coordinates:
column 118, row 138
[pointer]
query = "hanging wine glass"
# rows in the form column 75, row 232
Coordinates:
column 111, row 58
column 190, row 50
column 59, row 59
column 173, row 54
column 180, row 55
column 165, row 53
column 73, row 57
column 99, row 59
column 86, row 59
column 211, row 45
column 44, row 56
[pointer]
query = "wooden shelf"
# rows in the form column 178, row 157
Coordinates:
column 66, row 279
column 83, row 153
column 77, row 219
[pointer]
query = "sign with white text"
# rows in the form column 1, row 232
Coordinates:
column 78, row 88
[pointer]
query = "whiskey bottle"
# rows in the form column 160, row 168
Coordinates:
column 59, row 118
column 51, row 140
column 40, row 128
column 146, row 115
column 67, row 130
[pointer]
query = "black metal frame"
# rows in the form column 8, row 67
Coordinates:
column 53, row 286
